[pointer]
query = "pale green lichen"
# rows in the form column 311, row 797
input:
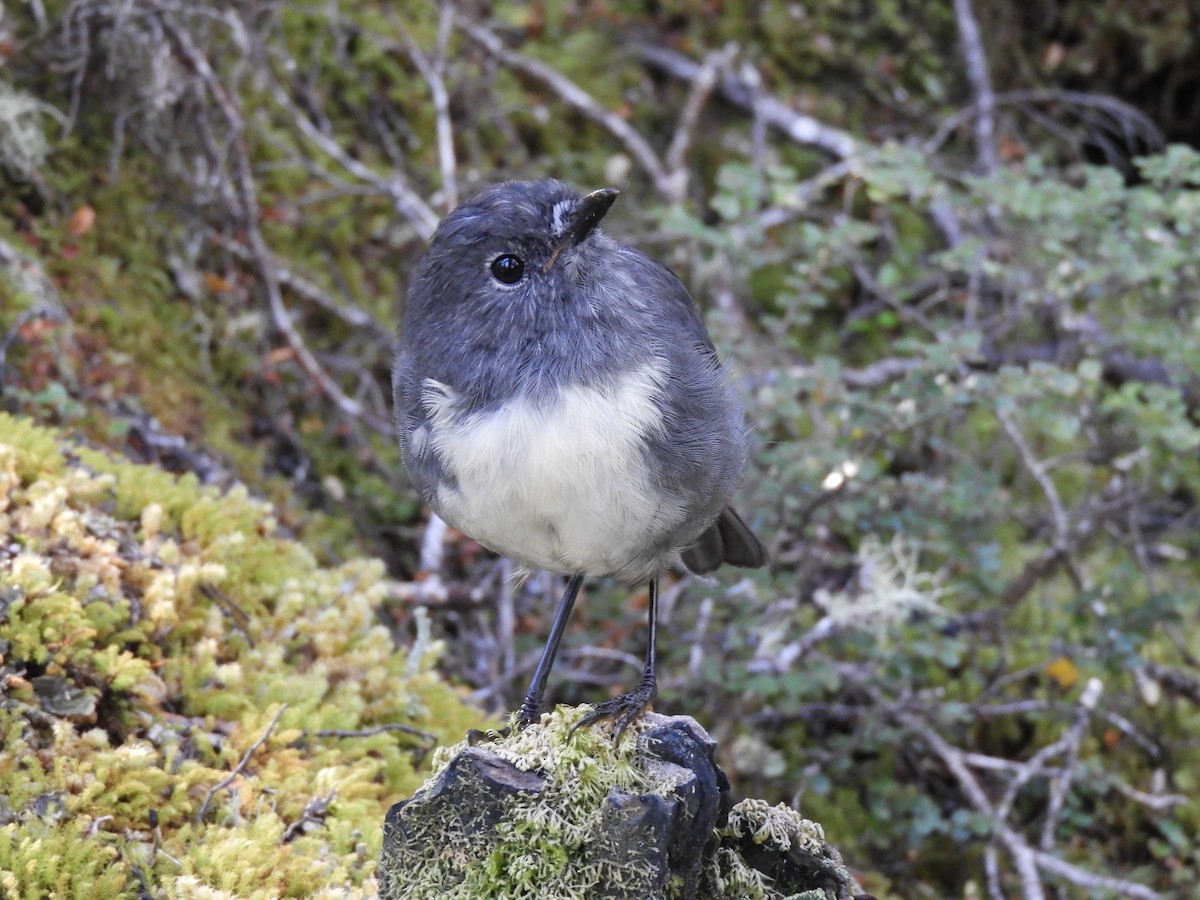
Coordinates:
column 23, row 144
column 154, row 635
column 783, row 830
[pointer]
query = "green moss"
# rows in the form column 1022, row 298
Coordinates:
column 176, row 674
column 43, row 860
column 544, row 843
column 539, row 848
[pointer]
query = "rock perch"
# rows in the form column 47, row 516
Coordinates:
column 540, row 814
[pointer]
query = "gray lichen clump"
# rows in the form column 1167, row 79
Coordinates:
column 548, row 814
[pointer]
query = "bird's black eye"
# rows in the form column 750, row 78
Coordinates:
column 508, row 269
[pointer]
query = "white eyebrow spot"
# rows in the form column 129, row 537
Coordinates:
column 560, row 217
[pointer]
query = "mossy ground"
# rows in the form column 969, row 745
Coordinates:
column 192, row 706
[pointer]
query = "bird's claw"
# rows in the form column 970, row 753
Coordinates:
column 625, row 709
column 477, row 736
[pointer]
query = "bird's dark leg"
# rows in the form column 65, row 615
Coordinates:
column 626, row 708
column 532, row 704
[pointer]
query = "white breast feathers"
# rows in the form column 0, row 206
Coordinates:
column 561, row 484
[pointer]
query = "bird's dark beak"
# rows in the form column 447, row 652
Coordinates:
column 588, row 214
column 590, row 211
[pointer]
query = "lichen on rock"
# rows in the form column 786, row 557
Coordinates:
column 553, row 813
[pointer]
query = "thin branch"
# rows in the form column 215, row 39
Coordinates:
column 315, row 811
column 433, row 544
column 1029, row 862
column 1157, row 802
column 800, row 128
column 407, row 202
column 1036, row 468
column 698, row 95
column 433, row 71
column 991, row 866
column 1134, row 124
column 1062, row 784
column 307, row 289
column 952, row 758
column 981, row 83
column 1080, row 876
column 240, row 767
column 799, row 199
column 875, row 375
column 506, row 617
column 263, row 259
column 575, row 96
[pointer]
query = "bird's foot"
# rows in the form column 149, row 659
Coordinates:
column 625, row 709
column 528, row 713
column 476, row 736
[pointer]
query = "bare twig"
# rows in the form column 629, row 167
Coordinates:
column 240, row 767
column 877, row 374
column 407, row 202
column 991, row 867
column 433, row 71
column 1133, row 123
column 800, row 128
column 1082, row 877
column 1154, row 801
column 506, row 617
column 433, row 544
column 1062, row 783
column 701, row 89
column 307, row 289
column 952, row 758
column 799, row 200
column 981, row 83
column 699, row 634
column 575, row 96
column 315, row 811
column 1029, row 862
column 248, row 199
column 1037, row 469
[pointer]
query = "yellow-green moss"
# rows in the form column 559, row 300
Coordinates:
column 155, row 634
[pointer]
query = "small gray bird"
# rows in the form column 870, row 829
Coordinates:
column 559, row 400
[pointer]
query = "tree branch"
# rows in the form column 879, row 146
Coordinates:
column 800, row 128
column 575, row 96
column 981, row 82
column 248, row 199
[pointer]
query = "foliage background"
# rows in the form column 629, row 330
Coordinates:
column 948, row 253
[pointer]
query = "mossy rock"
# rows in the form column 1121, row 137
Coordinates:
column 192, row 706
column 561, row 814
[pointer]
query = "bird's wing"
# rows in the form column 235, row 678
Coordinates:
column 413, row 427
column 674, row 300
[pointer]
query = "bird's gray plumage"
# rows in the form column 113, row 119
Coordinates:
column 577, row 420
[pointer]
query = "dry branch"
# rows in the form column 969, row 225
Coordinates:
column 798, row 127
column 579, row 99
column 981, row 83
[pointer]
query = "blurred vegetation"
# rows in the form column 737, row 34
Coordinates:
column 974, row 385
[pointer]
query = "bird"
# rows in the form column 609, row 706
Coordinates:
column 558, row 399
